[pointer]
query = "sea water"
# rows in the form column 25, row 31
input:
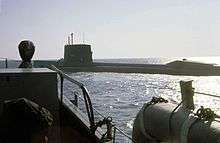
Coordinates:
column 121, row 95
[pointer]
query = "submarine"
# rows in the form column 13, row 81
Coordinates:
column 83, row 62
column 157, row 122
column 78, row 58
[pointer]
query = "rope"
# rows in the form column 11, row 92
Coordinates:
column 205, row 114
column 115, row 128
column 159, row 100
column 140, row 117
column 169, row 88
column 87, row 100
column 207, row 94
column 156, row 100
column 104, row 118
column 106, row 121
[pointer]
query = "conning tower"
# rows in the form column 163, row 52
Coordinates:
column 77, row 54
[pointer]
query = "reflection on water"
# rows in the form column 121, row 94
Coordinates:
column 122, row 95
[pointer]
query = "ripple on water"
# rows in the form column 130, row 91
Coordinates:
column 122, row 95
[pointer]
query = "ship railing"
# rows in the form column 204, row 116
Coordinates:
column 90, row 108
column 88, row 104
column 115, row 128
column 86, row 97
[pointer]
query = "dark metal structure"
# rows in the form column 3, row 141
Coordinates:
column 160, row 121
column 26, row 51
column 77, row 55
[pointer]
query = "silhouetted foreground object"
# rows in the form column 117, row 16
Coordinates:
column 77, row 55
column 26, row 50
column 24, row 121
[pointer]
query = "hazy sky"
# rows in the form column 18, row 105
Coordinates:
column 114, row 28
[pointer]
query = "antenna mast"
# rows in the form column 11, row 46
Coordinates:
column 83, row 38
column 71, row 38
column 68, row 40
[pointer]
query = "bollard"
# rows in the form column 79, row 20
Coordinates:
column 187, row 93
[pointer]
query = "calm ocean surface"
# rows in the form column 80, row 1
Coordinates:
column 122, row 95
